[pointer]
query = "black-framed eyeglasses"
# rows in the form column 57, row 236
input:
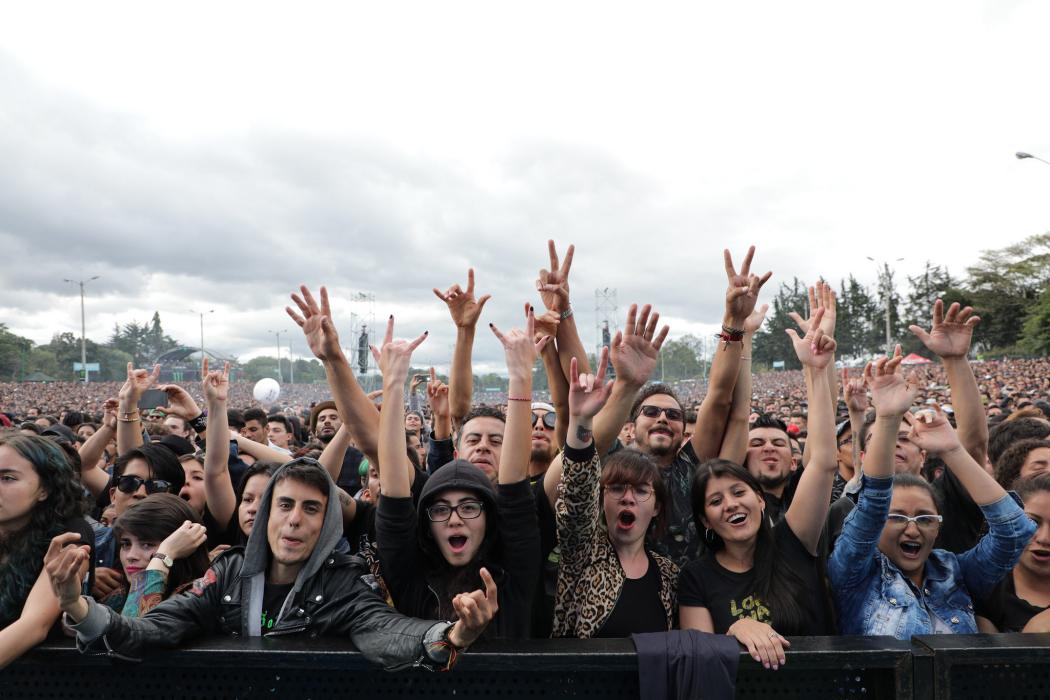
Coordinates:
column 549, row 418
column 650, row 411
column 129, row 483
column 642, row 492
column 468, row 510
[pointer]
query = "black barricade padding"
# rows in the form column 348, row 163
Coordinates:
column 818, row 667
column 1015, row 666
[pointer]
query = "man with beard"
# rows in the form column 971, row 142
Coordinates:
column 544, row 445
column 658, row 415
column 324, row 424
column 770, row 461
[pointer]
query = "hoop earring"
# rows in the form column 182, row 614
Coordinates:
column 709, row 535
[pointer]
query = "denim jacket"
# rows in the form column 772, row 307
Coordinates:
column 873, row 597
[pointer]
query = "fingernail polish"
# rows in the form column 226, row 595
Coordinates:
column 391, row 316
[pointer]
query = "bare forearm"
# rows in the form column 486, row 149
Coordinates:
column 129, row 426
column 514, row 462
column 335, row 451
column 580, row 434
column 878, row 459
column 821, row 422
column 734, row 442
column 610, row 420
column 972, row 426
column 218, row 486
column 93, row 478
column 559, row 391
column 570, row 346
column 461, row 374
column 983, row 489
column 393, row 475
column 358, row 412
column 714, row 411
column 856, row 423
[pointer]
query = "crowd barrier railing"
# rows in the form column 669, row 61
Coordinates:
column 955, row 666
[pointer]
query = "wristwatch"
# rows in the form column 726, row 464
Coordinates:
column 164, row 558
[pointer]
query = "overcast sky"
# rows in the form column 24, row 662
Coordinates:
column 215, row 155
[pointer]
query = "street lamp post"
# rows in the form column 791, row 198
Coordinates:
column 201, row 314
column 1021, row 155
column 280, row 374
column 884, row 282
column 83, row 325
column 291, row 362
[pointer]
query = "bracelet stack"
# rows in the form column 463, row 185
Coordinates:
column 730, row 335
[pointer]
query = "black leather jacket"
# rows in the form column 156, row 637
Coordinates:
column 338, row 601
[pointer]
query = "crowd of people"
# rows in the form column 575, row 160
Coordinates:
column 883, row 500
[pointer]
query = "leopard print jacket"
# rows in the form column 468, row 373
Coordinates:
column 590, row 578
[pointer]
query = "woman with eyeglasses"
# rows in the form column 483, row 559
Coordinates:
column 464, row 523
column 162, row 550
column 885, row 575
column 610, row 582
column 39, row 499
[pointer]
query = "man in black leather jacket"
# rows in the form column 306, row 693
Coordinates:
column 291, row 578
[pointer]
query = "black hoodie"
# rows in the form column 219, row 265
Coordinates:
column 510, row 551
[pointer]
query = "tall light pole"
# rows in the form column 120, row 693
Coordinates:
column 884, row 282
column 201, row 314
column 291, row 362
column 83, row 325
column 1021, row 155
column 280, row 374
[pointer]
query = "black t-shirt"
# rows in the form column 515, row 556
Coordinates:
column 273, row 600
column 1005, row 609
column 550, row 557
column 349, row 476
column 964, row 523
column 638, row 610
column 730, row 596
column 218, row 533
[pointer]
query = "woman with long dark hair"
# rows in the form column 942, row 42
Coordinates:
column 39, row 499
column 161, row 543
column 758, row 581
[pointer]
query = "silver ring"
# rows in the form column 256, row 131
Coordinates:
column 772, row 634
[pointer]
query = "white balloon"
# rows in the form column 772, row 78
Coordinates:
column 266, row 390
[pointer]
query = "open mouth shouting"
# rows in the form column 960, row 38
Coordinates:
column 910, row 548
column 625, row 520
column 1040, row 554
column 737, row 519
column 457, row 543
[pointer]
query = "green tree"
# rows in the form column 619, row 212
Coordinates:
column 14, row 354
column 857, row 312
column 771, row 343
column 933, row 283
column 678, row 360
column 1036, row 337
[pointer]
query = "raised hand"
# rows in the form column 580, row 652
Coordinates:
column 951, row 332
column 891, row 393
column 519, row 347
column 634, row 350
column 184, row 541
column 180, row 403
column 417, row 379
column 753, row 322
column 815, row 349
column 553, row 284
column 821, row 296
column 216, row 384
column 64, row 565
column 137, row 382
column 743, row 287
column 588, row 392
column 109, row 416
column 437, row 396
column 395, row 356
column 462, row 306
column 474, row 612
column 546, row 324
column 932, row 432
column 854, row 393
column 316, row 322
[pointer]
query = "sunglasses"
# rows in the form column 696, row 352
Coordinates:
column 547, row 418
column 655, row 411
column 130, row 483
